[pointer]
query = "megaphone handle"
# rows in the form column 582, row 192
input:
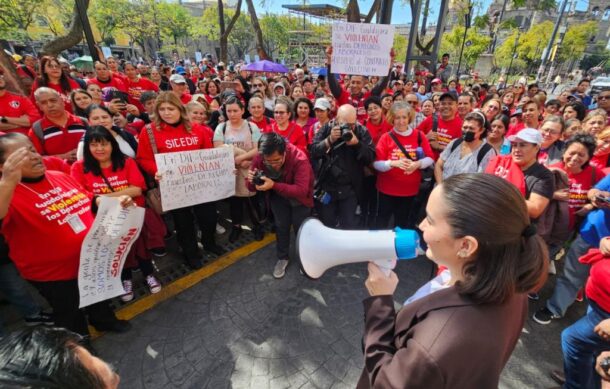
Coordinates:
column 386, row 266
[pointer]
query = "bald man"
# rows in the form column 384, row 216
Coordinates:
column 340, row 151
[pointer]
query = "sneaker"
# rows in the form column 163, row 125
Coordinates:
column 552, row 268
column 41, row 318
column 220, row 229
column 159, row 252
column 544, row 316
column 128, row 286
column 235, row 233
column 215, row 249
column 280, row 268
column 259, row 233
column 153, row 284
column 533, row 296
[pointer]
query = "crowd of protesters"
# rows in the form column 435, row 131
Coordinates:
column 358, row 152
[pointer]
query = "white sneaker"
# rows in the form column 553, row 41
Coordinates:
column 153, row 284
column 220, row 229
column 280, row 268
column 552, row 268
column 128, row 286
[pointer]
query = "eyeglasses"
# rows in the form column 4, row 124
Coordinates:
column 280, row 112
column 258, row 85
column 549, row 131
column 272, row 162
column 606, row 97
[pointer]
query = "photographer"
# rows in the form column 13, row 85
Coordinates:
column 283, row 170
column 341, row 149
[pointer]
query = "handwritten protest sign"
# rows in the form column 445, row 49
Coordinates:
column 360, row 48
column 196, row 177
column 104, row 250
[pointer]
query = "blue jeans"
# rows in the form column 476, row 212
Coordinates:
column 573, row 278
column 581, row 346
column 14, row 288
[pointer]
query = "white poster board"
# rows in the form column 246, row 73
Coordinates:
column 105, row 249
column 198, row 56
column 361, row 48
column 195, row 177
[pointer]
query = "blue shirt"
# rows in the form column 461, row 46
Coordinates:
column 596, row 224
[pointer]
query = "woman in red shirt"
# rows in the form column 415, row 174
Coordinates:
column 256, row 107
column 45, row 218
column 399, row 174
column 210, row 90
column 103, row 78
column 304, row 115
column 602, row 151
column 106, row 171
column 171, row 131
column 287, row 128
column 137, row 85
column 53, row 77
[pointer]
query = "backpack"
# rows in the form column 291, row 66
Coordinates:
column 39, row 132
column 480, row 155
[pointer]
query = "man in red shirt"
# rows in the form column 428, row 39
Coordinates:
column 17, row 113
column 446, row 127
column 355, row 96
column 308, row 89
column 180, row 88
column 530, row 118
column 104, row 78
column 58, row 132
column 113, row 65
column 27, row 72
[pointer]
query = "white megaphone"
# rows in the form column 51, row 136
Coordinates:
column 321, row 248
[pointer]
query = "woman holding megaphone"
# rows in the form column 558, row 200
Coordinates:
column 458, row 330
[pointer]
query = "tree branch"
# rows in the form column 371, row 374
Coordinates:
column 374, row 9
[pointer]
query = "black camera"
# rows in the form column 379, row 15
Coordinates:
column 258, row 178
column 605, row 364
column 346, row 132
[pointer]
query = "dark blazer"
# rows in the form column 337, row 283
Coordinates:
column 443, row 340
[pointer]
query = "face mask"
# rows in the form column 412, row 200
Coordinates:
column 468, row 136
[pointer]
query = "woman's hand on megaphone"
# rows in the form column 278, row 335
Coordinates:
column 378, row 284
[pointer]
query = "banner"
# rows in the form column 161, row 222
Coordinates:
column 195, row 177
column 360, row 48
column 104, row 250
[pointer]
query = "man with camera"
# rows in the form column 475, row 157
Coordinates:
column 341, row 150
column 284, row 172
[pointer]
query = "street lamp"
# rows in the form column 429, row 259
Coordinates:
column 467, row 26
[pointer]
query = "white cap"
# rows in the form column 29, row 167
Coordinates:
column 529, row 135
column 322, row 104
column 177, row 79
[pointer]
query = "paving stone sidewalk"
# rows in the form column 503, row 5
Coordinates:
column 242, row 328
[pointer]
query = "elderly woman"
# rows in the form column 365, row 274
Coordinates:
column 468, row 154
column 595, row 121
column 479, row 300
column 552, row 147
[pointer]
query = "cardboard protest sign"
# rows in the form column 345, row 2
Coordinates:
column 195, row 177
column 361, row 48
column 105, row 249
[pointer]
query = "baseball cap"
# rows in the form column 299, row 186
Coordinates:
column 530, row 135
column 437, row 81
column 451, row 94
column 322, row 104
column 180, row 70
column 177, row 79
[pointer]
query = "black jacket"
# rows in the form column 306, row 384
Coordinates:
column 342, row 166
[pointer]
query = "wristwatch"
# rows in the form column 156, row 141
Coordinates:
column 3, row 119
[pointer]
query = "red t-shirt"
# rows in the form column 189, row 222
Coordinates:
column 355, row 101
column 186, row 98
column 121, row 179
column 600, row 161
column 56, row 139
column 112, row 82
column 264, row 125
column 446, row 130
column 293, row 134
column 169, row 139
column 65, row 96
column 394, row 182
column 513, row 130
column 376, row 130
column 136, row 88
column 120, row 76
column 14, row 106
column 54, row 163
column 45, row 227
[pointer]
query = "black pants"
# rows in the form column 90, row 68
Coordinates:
column 64, row 299
column 339, row 213
column 237, row 205
column 286, row 216
column 397, row 206
column 145, row 266
column 368, row 205
column 184, row 220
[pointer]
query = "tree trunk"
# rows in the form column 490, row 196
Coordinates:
column 72, row 38
column 13, row 82
column 373, row 11
column 353, row 11
column 225, row 31
column 260, row 44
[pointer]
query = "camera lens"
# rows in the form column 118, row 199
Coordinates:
column 347, row 135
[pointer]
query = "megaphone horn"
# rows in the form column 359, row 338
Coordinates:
column 320, row 248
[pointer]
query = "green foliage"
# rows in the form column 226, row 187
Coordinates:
column 400, row 47
column 17, row 15
column 107, row 16
column 575, row 41
column 452, row 43
column 241, row 37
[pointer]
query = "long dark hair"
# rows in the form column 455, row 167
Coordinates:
column 508, row 259
column 64, row 82
column 101, row 134
column 306, row 101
